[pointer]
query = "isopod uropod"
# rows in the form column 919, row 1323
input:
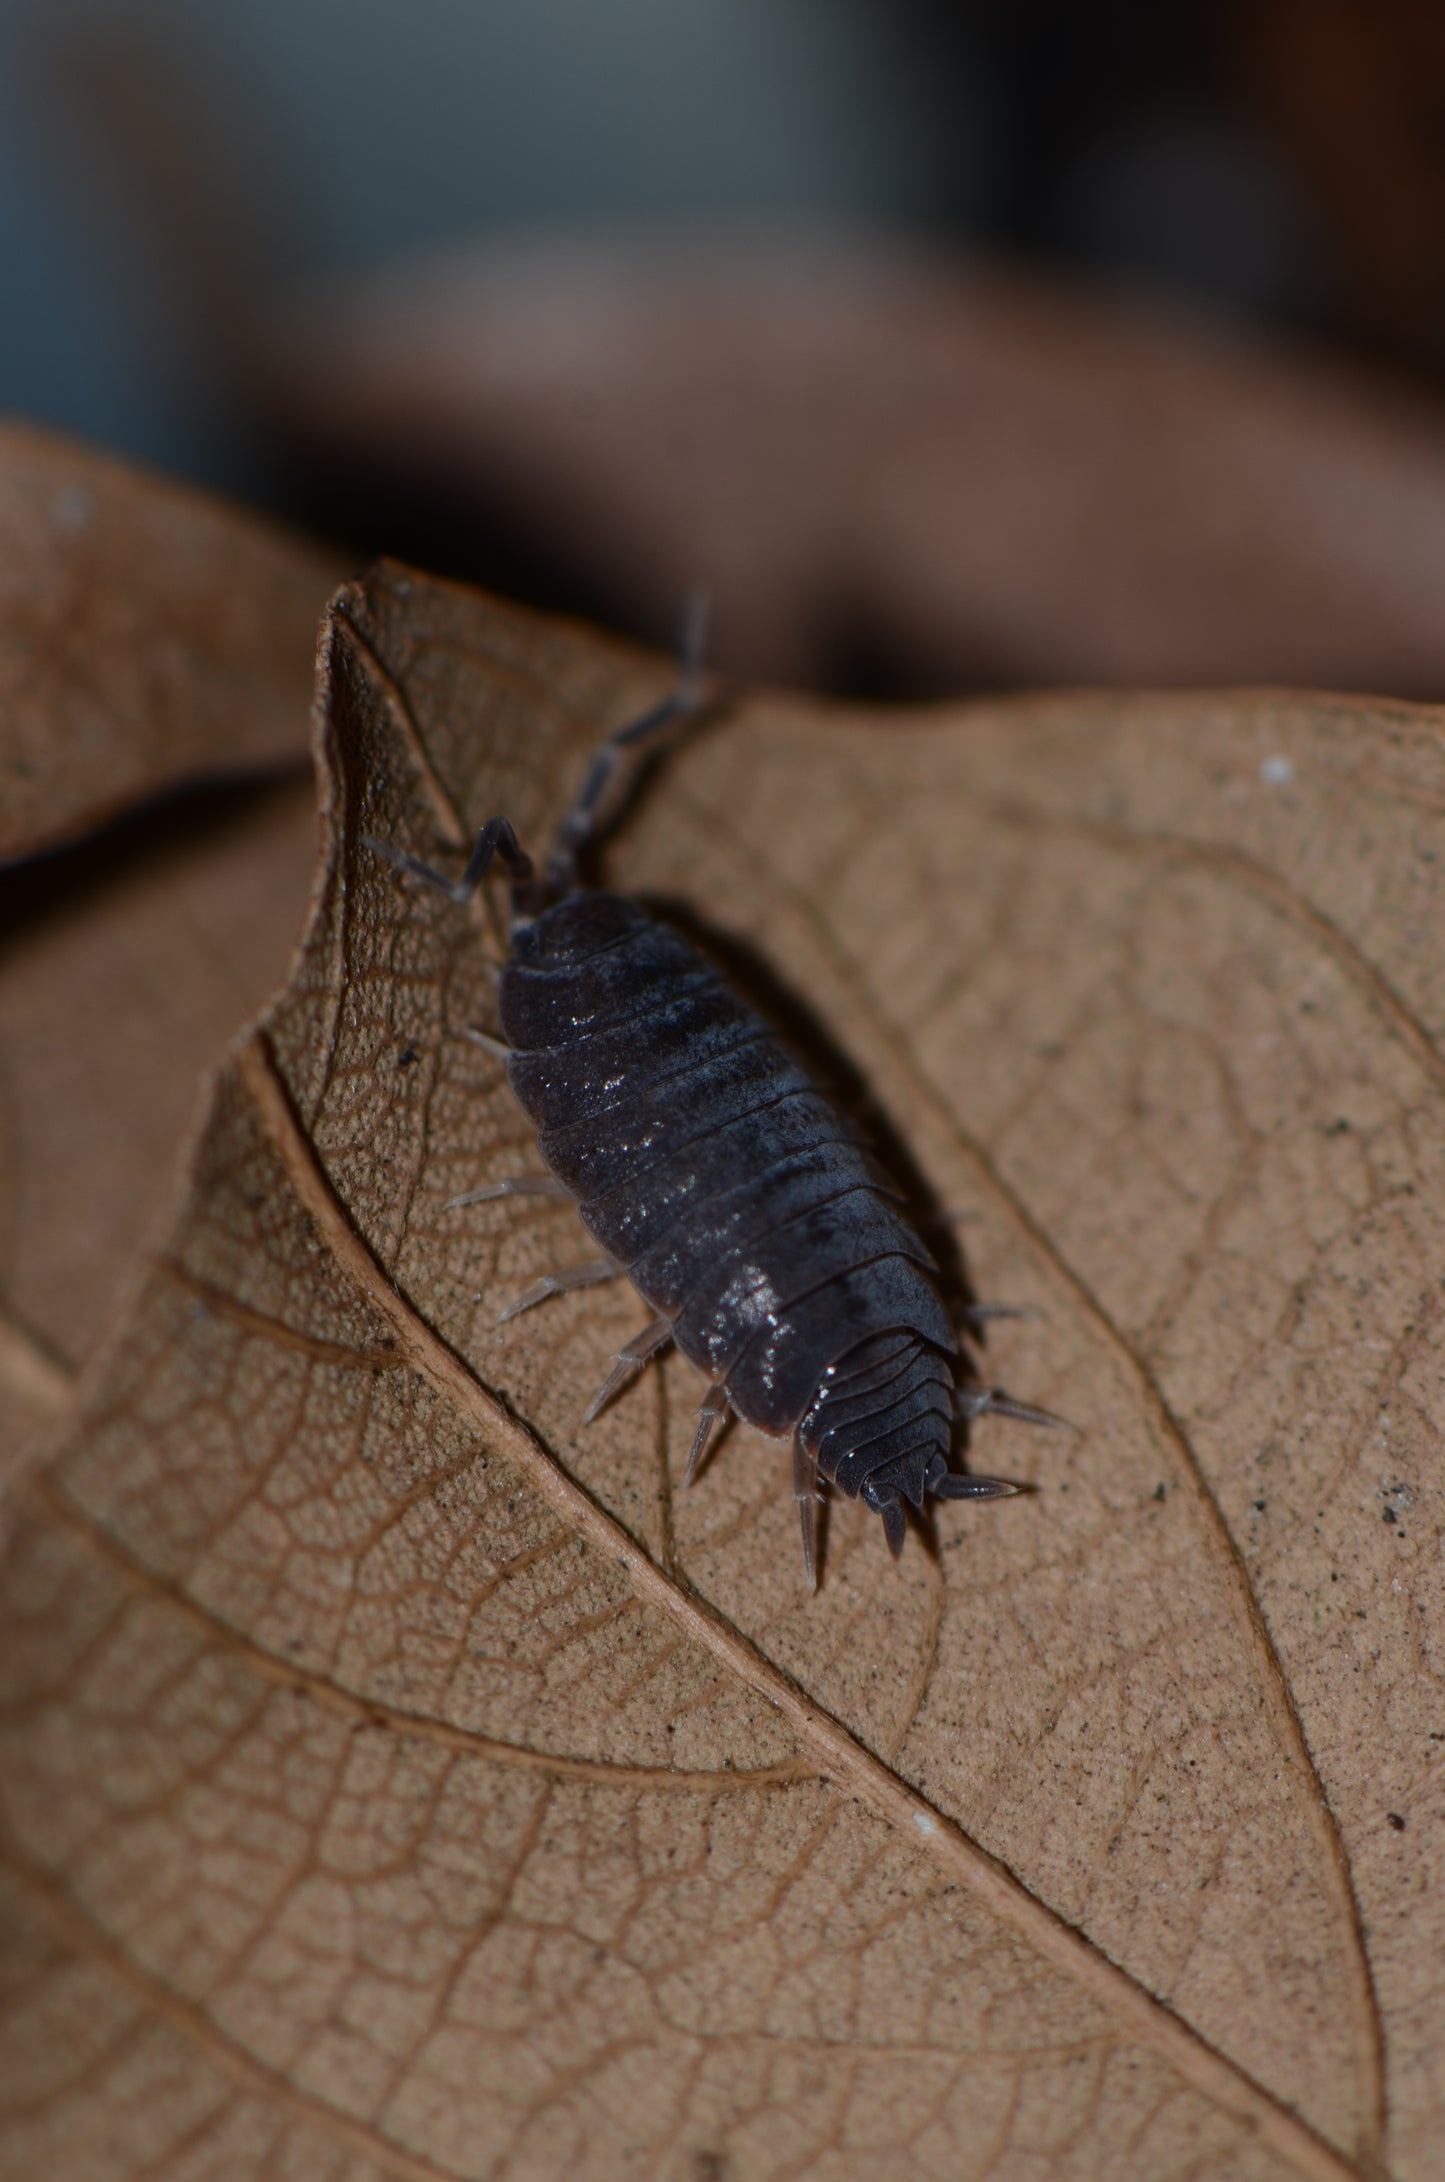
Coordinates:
column 712, row 1171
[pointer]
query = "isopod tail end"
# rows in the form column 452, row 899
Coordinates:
column 953, row 1487
column 895, row 1525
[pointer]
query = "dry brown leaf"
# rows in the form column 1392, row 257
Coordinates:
column 147, row 634
column 961, row 474
column 399, row 1780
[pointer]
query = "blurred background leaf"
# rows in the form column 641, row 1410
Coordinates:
column 155, row 672
column 588, row 304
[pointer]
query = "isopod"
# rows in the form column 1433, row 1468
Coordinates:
column 713, row 1172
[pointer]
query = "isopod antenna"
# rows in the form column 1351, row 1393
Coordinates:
column 608, row 785
column 614, row 771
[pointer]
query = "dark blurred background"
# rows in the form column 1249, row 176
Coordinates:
column 957, row 345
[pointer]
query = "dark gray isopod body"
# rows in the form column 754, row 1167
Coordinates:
column 710, row 1169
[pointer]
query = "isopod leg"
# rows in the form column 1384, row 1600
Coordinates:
column 497, row 1047
column 495, row 843
column 515, row 1185
column 805, row 1492
column 713, row 1409
column 978, row 1315
column 558, row 1284
column 629, row 1360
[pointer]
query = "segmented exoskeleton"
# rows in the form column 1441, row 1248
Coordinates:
column 712, row 1171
